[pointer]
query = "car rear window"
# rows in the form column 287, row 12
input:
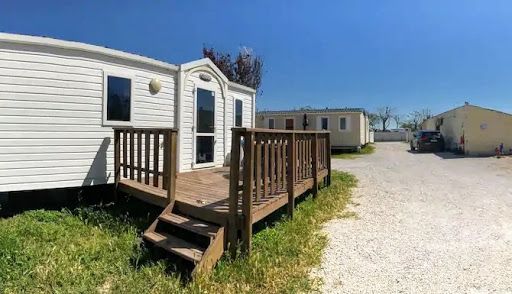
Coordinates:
column 430, row 135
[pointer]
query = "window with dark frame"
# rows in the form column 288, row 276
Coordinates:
column 325, row 123
column 119, row 99
column 343, row 123
column 271, row 123
column 289, row 124
column 238, row 113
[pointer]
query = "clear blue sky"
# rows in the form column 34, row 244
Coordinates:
column 406, row 54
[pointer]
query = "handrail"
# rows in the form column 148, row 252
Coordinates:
column 274, row 161
column 276, row 131
column 139, row 157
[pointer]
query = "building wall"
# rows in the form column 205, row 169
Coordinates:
column 362, row 129
column 192, row 83
column 353, row 137
column 51, row 111
column 452, row 127
column 224, row 116
column 392, row 136
column 485, row 130
column 51, row 99
column 367, row 129
column 247, row 115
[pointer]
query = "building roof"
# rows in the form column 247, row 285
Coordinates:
column 310, row 111
column 79, row 46
column 470, row 105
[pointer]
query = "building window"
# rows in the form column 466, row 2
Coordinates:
column 271, row 123
column 289, row 123
column 238, row 113
column 118, row 102
column 325, row 123
column 344, row 123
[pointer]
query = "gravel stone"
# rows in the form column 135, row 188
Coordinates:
column 425, row 223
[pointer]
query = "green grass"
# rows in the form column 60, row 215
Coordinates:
column 368, row 149
column 94, row 249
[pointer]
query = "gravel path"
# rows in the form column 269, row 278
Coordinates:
column 425, row 224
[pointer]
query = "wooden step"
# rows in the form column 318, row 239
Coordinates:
column 176, row 245
column 190, row 224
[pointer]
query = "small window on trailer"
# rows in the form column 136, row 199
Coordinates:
column 238, row 113
column 117, row 100
column 344, row 123
column 289, row 123
column 324, row 123
column 271, row 123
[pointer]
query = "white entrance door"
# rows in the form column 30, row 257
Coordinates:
column 204, row 134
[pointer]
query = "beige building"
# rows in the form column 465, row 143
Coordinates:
column 349, row 126
column 474, row 130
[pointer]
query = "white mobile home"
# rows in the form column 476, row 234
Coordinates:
column 59, row 101
column 349, row 127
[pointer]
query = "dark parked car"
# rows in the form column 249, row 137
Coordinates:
column 428, row 140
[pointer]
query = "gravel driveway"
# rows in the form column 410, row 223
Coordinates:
column 425, row 224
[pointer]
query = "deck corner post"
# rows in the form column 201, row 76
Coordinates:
column 234, row 180
column 328, row 146
column 117, row 161
column 248, row 190
column 172, row 167
column 314, row 163
column 291, row 170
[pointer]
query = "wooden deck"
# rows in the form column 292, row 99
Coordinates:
column 204, row 194
column 211, row 210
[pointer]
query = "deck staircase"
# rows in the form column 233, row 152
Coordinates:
column 193, row 240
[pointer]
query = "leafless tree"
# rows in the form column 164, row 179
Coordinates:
column 426, row 113
column 385, row 114
column 416, row 118
column 398, row 119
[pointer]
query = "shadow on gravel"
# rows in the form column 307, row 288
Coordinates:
column 443, row 155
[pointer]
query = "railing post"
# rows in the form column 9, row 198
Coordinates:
column 147, row 148
column 156, row 158
column 248, row 192
column 234, row 180
column 328, row 146
column 291, row 170
column 125, row 153
column 172, row 167
column 314, row 163
column 117, row 161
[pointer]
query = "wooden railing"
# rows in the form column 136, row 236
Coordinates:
column 137, row 156
column 269, row 162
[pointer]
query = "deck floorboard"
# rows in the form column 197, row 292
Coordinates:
column 205, row 193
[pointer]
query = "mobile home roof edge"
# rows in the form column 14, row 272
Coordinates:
column 79, row 46
column 311, row 111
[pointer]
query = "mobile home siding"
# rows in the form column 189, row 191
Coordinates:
column 224, row 120
column 353, row 137
column 247, row 114
column 51, row 110
column 51, row 100
column 188, row 116
column 362, row 129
